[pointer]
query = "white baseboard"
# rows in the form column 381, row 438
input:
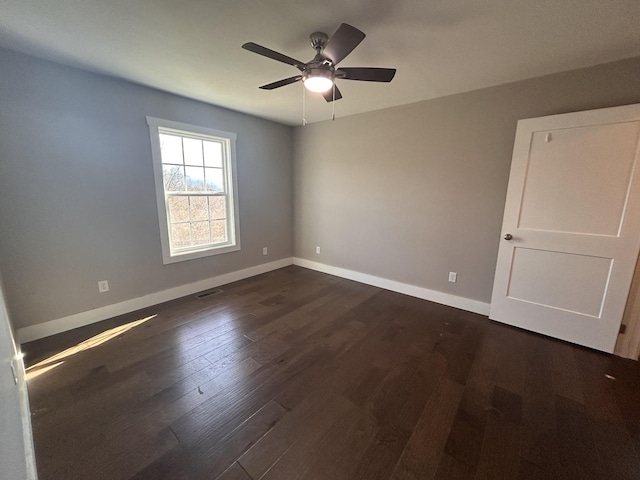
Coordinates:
column 462, row 303
column 59, row 325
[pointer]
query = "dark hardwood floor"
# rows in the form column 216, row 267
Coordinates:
column 296, row 374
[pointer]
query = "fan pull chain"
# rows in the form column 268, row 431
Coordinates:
column 333, row 104
column 304, row 106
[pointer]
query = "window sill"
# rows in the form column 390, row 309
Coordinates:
column 193, row 254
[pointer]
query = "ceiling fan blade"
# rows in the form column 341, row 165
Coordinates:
column 281, row 83
column 266, row 52
column 342, row 43
column 366, row 74
column 328, row 95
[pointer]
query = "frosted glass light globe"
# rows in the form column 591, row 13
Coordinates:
column 318, row 84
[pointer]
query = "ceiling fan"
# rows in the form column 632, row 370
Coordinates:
column 320, row 73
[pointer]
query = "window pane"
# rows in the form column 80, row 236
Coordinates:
column 180, row 235
column 200, row 233
column 192, row 151
column 199, row 210
column 214, row 180
column 212, row 154
column 195, row 179
column 178, row 209
column 219, row 231
column 217, row 208
column 173, row 178
column 171, row 148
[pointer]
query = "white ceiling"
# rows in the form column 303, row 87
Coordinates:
column 439, row 47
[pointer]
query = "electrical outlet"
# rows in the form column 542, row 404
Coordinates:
column 317, row 250
column 264, row 250
column 453, row 277
column 103, row 286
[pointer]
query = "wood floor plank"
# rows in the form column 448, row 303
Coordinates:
column 297, row 460
column 578, row 455
column 121, row 458
column 539, row 438
column 462, row 361
column 421, row 456
column 567, row 381
column 234, row 472
column 531, row 471
column 302, row 375
column 342, row 446
column 512, row 360
column 396, row 408
column 612, row 440
column 213, row 457
column 300, row 427
column 169, row 404
column 231, row 403
column 451, row 468
column 467, row 430
column 498, row 461
column 79, row 427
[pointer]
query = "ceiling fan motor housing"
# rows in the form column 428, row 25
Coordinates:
column 318, row 68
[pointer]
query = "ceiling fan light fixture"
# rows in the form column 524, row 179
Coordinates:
column 320, row 73
column 318, row 84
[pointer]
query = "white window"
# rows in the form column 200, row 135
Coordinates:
column 195, row 174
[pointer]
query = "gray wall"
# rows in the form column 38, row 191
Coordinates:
column 414, row 192
column 408, row 193
column 77, row 201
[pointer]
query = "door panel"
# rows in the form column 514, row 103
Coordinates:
column 573, row 210
column 572, row 186
column 576, row 283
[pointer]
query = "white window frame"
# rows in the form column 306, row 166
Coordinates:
column 231, row 181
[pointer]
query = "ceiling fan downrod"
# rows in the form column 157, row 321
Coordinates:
column 319, row 41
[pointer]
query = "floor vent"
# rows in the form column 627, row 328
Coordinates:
column 208, row 293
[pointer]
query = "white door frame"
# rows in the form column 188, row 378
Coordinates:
column 628, row 345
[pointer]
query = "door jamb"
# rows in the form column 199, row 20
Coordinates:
column 628, row 343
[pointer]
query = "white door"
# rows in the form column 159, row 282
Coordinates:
column 571, row 227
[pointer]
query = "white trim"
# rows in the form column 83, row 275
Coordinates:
column 231, row 182
column 455, row 301
column 81, row 319
column 25, row 413
column 59, row 325
column 628, row 343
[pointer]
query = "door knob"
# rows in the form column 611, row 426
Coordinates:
column 508, row 236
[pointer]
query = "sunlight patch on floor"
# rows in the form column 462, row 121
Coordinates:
column 31, row 374
column 103, row 337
